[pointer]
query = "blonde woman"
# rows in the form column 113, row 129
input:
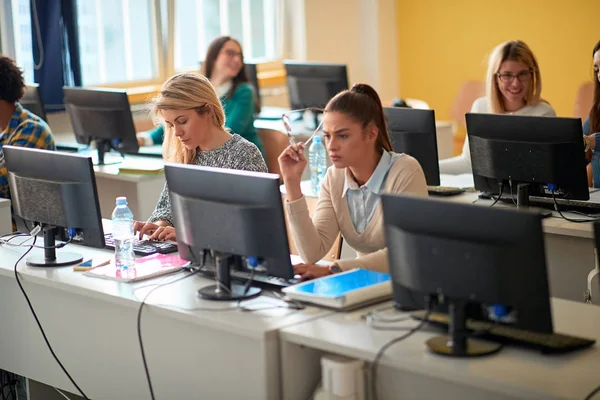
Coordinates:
column 513, row 86
column 194, row 122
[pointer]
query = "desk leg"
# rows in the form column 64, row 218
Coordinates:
column 300, row 370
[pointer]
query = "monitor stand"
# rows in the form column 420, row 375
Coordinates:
column 457, row 343
column 104, row 154
column 224, row 289
column 50, row 259
column 523, row 201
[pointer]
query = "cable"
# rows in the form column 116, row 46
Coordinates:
column 501, row 185
column 40, row 325
column 567, row 218
column 139, row 327
column 62, row 394
column 38, row 33
column 592, row 393
column 375, row 364
column 512, row 195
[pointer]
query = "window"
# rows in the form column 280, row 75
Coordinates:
column 198, row 22
column 116, row 41
column 23, row 47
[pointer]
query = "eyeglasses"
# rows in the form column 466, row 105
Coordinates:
column 232, row 53
column 522, row 76
column 288, row 125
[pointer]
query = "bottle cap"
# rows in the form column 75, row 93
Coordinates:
column 122, row 201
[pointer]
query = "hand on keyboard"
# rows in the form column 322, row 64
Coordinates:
column 154, row 231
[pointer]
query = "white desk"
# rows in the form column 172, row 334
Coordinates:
column 142, row 191
column 409, row 371
column 5, row 217
column 91, row 323
column 444, row 135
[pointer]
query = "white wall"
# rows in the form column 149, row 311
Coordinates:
column 359, row 33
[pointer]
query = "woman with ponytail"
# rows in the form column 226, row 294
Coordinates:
column 364, row 165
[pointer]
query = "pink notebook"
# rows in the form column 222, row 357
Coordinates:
column 145, row 268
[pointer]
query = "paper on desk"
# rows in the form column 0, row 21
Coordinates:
column 296, row 259
column 459, row 181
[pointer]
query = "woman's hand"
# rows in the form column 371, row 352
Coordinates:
column 310, row 271
column 149, row 228
column 292, row 163
column 164, row 233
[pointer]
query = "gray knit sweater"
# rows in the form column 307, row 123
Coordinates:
column 236, row 153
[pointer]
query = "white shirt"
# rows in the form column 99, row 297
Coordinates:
column 363, row 200
column 462, row 164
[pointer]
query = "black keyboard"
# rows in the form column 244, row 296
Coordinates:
column 547, row 343
column 444, row 190
column 261, row 278
column 144, row 247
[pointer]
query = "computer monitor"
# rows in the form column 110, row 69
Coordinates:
column 58, row 192
column 102, row 115
column 314, row 84
column 32, row 100
column 413, row 132
column 535, row 156
column 237, row 215
column 476, row 258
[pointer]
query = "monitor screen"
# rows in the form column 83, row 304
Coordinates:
column 413, row 132
column 314, row 84
column 475, row 258
column 102, row 115
column 230, row 213
column 58, row 192
column 545, row 152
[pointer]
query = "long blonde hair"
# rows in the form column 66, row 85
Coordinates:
column 186, row 91
column 514, row 50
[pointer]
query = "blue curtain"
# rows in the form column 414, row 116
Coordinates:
column 55, row 49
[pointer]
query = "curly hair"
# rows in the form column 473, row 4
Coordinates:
column 12, row 84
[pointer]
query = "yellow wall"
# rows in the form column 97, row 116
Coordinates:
column 442, row 43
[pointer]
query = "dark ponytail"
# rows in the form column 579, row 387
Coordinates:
column 362, row 103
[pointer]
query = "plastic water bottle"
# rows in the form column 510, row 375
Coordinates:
column 122, row 226
column 317, row 161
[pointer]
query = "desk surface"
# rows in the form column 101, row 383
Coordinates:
column 173, row 300
column 514, row 372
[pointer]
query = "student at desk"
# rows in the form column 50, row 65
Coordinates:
column 513, row 86
column 18, row 126
column 224, row 67
column 195, row 133
column 591, row 126
column 364, row 165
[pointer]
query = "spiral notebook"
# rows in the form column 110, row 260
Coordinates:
column 147, row 267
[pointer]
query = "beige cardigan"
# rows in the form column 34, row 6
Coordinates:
column 314, row 238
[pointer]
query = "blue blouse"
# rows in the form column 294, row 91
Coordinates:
column 596, row 152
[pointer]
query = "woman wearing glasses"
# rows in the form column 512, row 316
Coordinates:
column 591, row 127
column 364, row 166
column 513, row 86
column 192, row 115
column 224, row 67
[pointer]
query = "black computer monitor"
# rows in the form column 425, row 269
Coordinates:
column 236, row 215
column 314, row 84
column 535, row 156
column 58, row 192
column 413, row 132
column 475, row 257
column 102, row 115
column 32, row 100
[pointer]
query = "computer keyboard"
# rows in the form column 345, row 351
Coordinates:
column 261, row 278
column 144, row 247
column 547, row 343
column 565, row 204
column 444, row 190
